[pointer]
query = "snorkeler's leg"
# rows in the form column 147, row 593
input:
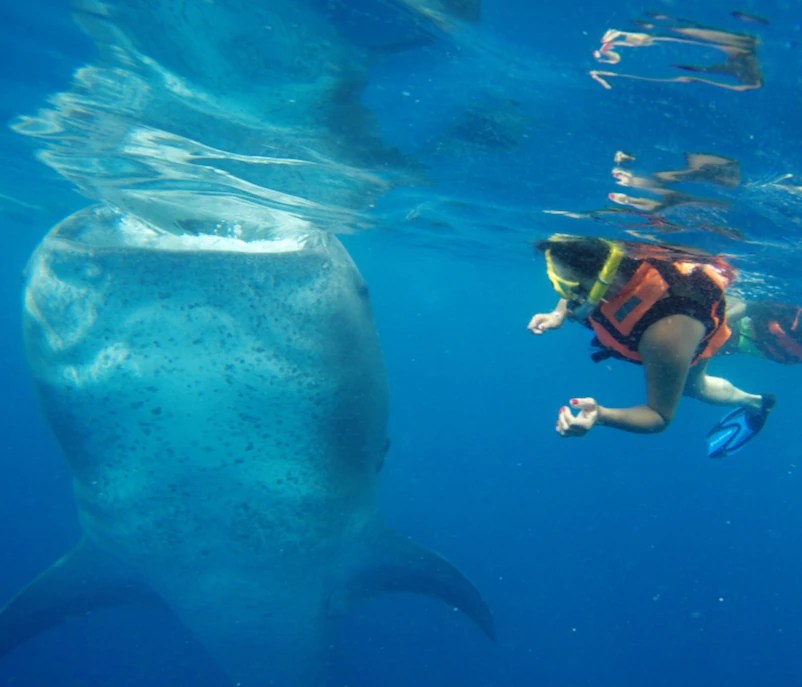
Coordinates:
column 736, row 309
column 717, row 390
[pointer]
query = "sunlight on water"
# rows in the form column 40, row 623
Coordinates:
column 285, row 132
column 273, row 107
column 417, row 117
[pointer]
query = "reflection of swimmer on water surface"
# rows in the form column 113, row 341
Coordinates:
column 750, row 18
column 699, row 167
column 739, row 50
column 637, row 212
column 741, row 65
column 714, row 169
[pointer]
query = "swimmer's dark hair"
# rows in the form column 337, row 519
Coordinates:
column 586, row 254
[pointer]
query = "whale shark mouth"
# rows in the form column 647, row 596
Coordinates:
column 278, row 232
column 233, row 238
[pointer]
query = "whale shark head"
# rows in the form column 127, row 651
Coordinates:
column 222, row 402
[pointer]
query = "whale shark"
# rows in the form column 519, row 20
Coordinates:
column 222, row 403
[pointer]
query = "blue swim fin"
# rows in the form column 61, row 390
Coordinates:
column 737, row 427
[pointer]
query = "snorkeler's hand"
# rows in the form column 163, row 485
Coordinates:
column 544, row 321
column 570, row 425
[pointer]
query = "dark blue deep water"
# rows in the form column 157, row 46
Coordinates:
column 614, row 560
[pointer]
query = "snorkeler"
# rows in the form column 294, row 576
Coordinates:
column 661, row 307
column 766, row 329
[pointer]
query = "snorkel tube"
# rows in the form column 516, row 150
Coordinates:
column 603, row 280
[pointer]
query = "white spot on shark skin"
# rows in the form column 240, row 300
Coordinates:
column 224, row 415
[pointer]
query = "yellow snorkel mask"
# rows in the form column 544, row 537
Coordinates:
column 568, row 289
column 564, row 287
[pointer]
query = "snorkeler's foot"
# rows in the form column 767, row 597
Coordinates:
column 757, row 418
column 738, row 427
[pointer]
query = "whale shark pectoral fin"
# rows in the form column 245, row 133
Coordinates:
column 400, row 565
column 84, row 580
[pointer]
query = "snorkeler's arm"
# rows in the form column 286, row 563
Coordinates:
column 550, row 320
column 639, row 419
column 667, row 349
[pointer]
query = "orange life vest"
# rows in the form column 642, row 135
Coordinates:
column 658, row 289
column 778, row 331
column 791, row 348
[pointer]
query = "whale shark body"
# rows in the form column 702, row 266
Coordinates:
column 222, row 404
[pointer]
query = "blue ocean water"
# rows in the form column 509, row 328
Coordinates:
column 610, row 560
